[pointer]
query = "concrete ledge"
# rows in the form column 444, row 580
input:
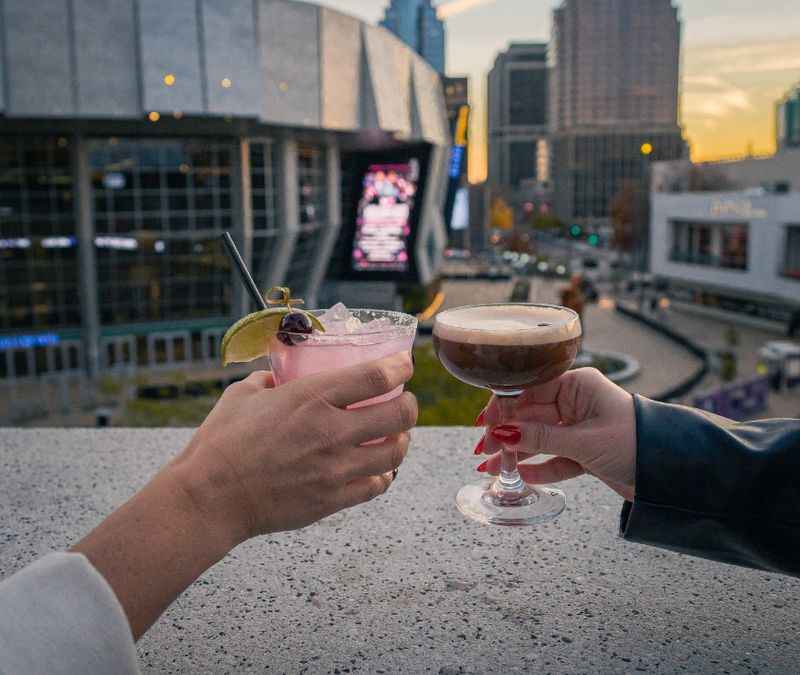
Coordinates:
column 404, row 583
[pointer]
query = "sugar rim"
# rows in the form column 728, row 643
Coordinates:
column 408, row 327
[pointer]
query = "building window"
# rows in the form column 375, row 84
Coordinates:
column 160, row 206
column 734, row 247
column 791, row 260
column 38, row 236
column 723, row 245
column 523, row 160
column 313, row 199
column 527, row 97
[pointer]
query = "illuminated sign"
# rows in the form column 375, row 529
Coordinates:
column 25, row 341
column 114, row 181
column 21, row 242
column 456, row 161
column 460, row 217
column 383, row 219
column 460, row 137
column 58, row 242
column 740, row 208
column 117, row 243
column 455, row 170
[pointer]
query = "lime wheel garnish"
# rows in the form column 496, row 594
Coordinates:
column 250, row 337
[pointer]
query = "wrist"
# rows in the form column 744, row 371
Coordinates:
column 208, row 496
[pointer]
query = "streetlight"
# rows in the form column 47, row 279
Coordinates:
column 646, row 150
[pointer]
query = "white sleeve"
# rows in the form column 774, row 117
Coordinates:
column 60, row 616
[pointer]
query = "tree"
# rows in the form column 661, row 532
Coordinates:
column 501, row 215
column 626, row 212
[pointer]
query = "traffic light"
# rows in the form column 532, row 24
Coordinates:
column 576, row 231
column 593, row 240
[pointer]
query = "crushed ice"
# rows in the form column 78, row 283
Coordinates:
column 339, row 321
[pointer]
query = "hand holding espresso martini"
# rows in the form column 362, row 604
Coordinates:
column 507, row 348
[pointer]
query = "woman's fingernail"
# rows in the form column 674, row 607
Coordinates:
column 480, row 418
column 479, row 447
column 507, row 433
column 482, row 467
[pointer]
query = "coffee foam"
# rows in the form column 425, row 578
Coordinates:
column 507, row 325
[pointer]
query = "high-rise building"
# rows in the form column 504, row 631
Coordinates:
column 518, row 116
column 787, row 125
column 415, row 22
column 614, row 100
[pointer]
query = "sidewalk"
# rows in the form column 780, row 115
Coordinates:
column 710, row 333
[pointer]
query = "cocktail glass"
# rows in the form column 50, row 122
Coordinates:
column 393, row 332
column 508, row 348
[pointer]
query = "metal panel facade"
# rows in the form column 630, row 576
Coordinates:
column 169, row 39
column 105, row 54
column 430, row 103
column 289, row 38
column 39, row 62
column 340, row 46
column 390, row 70
column 232, row 69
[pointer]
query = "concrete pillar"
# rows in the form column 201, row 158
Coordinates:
column 87, row 263
column 290, row 207
column 242, row 230
column 329, row 236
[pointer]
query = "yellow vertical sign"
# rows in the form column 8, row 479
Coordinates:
column 462, row 125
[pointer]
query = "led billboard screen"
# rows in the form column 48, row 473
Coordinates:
column 383, row 204
column 383, row 218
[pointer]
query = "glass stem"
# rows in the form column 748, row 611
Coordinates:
column 509, row 482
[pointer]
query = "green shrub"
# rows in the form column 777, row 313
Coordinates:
column 443, row 400
column 184, row 412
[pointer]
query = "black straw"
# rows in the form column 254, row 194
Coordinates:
column 247, row 279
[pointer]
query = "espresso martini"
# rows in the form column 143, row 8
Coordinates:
column 507, row 348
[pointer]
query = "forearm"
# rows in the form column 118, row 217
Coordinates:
column 156, row 544
column 716, row 488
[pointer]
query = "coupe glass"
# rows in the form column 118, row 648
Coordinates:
column 507, row 348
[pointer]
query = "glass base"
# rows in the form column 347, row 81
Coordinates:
column 534, row 505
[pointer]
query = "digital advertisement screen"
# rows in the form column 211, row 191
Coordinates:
column 384, row 222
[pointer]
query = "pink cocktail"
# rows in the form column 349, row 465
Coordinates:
column 366, row 335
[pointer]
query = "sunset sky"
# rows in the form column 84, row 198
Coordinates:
column 738, row 58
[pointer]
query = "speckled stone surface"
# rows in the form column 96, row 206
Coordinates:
column 405, row 584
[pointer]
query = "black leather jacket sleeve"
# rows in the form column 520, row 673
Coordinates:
column 714, row 488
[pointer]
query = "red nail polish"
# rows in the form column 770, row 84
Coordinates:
column 479, row 447
column 507, row 433
column 482, row 467
column 479, row 420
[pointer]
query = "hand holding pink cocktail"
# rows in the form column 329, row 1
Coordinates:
column 350, row 337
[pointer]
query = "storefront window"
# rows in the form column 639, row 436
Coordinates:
column 38, row 243
column 734, row 247
column 265, row 203
column 691, row 243
column 160, row 206
column 722, row 245
column 313, row 197
column 791, row 264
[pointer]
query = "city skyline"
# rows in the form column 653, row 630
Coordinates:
column 737, row 61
